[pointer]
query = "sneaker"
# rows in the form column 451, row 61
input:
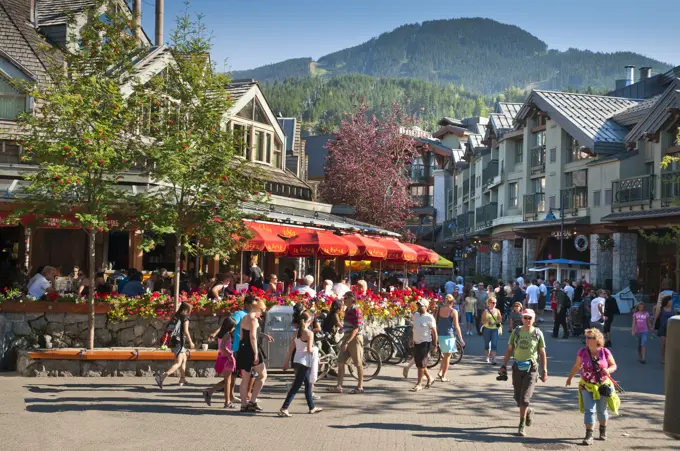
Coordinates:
column 522, row 430
column 315, row 397
column 207, row 397
column 254, row 407
column 488, row 360
column 588, row 440
column 530, row 416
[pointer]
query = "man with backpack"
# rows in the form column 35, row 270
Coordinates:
column 527, row 346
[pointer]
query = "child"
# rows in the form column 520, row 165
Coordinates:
column 179, row 340
column 225, row 364
column 470, row 311
column 516, row 315
column 642, row 324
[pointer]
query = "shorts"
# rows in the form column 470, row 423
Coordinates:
column 447, row 344
column 469, row 317
column 662, row 331
column 524, row 384
column 597, row 325
column 421, row 353
column 177, row 350
column 608, row 324
column 541, row 302
column 642, row 338
column 533, row 307
column 355, row 349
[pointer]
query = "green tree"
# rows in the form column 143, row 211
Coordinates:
column 77, row 135
column 197, row 163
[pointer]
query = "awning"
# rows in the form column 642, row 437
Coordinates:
column 320, row 243
column 263, row 240
column 441, row 263
column 399, row 252
column 368, row 248
column 425, row 255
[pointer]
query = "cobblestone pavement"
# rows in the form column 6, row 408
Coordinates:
column 472, row 412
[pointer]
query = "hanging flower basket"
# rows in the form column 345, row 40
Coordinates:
column 605, row 242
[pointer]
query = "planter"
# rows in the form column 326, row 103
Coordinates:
column 52, row 307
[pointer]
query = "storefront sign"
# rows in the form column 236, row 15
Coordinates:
column 483, row 249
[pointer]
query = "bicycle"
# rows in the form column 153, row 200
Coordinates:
column 328, row 360
column 393, row 346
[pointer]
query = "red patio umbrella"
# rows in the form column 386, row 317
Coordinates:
column 319, row 243
column 263, row 241
column 399, row 252
column 369, row 249
column 425, row 256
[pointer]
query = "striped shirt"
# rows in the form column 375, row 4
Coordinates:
column 354, row 319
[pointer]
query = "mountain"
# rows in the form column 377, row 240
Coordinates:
column 479, row 54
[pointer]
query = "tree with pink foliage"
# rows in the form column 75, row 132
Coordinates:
column 366, row 167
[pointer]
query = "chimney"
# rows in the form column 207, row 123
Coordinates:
column 159, row 22
column 645, row 73
column 630, row 75
column 137, row 18
column 34, row 13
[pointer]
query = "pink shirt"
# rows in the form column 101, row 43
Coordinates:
column 588, row 371
column 641, row 322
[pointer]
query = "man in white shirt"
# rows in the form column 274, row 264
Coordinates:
column 423, row 341
column 307, row 287
column 520, row 281
column 42, row 283
column 569, row 290
column 542, row 298
column 449, row 286
column 597, row 311
column 341, row 288
column 533, row 292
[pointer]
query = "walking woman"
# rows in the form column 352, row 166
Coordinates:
column 447, row 328
column 642, row 324
column 491, row 322
column 179, row 339
column 661, row 323
column 225, row 364
column 470, row 312
column 596, row 392
column 249, row 355
column 303, row 345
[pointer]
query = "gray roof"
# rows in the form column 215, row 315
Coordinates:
column 282, row 213
column 649, row 87
column 55, row 12
column 508, row 109
column 238, row 88
column 288, row 126
column 585, row 117
column 500, row 123
column 640, row 214
column 635, row 113
column 613, row 157
column 475, row 141
column 659, row 114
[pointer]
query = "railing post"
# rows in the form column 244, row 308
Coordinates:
column 671, row 419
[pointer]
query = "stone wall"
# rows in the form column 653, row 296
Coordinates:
column 483, row 262
column 495, row 264
column 601, row 261
column 512, row 259
column 530, row 248
column 624, row 260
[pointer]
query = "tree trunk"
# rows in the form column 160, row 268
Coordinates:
column 91, row 241
column 178, row 262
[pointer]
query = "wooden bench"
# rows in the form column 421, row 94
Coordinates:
column 118, row 354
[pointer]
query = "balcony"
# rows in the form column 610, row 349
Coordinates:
column 417, row 174
column 670, row 188
column 633, row 191
column 574, row 198
column 485, row 215
column 534, row 204
column 473, row 187
column 537, row 163
column 449, row 228
column 466, row 187
column 464, row 224
column 491, row 176
column 420, row 201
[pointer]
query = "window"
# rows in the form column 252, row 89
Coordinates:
column 259, row 114
column 519, row 151
column 649, row 168
column 513, row 190
column 539, row 139
column 553, row 155
column 12, row 101
column 551, row 201
column 431, row 195
column 596, row 198
column 269, row 148
column 575, row 151
column 417, row 190
column 242, row 137
column 479, row 181
column 538, row 185
column 607, row 197
column 449, row 204
column 9, row 152
column 541, row 121
column 576, row 178
column 277, row 153
column 247, row 111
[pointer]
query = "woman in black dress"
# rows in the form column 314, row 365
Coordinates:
column 249, row 358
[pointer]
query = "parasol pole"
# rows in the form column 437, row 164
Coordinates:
column 379, row 276
column 241, row 266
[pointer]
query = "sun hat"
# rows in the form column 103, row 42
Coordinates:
column 424, row 302
column 529, row 312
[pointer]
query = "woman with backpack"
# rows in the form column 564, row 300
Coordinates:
column 179, row 338
column 303, row 345
column 225, row 364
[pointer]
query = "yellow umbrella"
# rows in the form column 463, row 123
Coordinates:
column 441, row 263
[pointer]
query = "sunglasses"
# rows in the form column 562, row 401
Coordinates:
column 527, row 317
column 590, row 338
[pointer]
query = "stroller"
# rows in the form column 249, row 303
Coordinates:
column 576, row 318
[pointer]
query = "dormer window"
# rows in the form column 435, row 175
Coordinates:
column 12, row 101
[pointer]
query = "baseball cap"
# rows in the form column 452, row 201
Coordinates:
column 529, row 312
column 424, row 302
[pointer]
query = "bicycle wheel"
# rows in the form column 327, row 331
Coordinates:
column 382, row 344
column 457, row 356
column 325, row 365
column 371, row 365
column 434, row 358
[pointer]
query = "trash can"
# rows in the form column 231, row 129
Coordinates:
column 671, row 418
column 278, row 324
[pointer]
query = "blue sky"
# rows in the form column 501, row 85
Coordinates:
column 251, row 33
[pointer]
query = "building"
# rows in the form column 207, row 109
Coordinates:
column 587, row 164
column 261, row 136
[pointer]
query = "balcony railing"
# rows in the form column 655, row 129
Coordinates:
column 670, row 188
column 633, row 191
column 466, row 187
column 464, row 223
column 489, row 173
column 417, row 173
column 533, row 205
column 485, row 215
column 537, row 160
column 574, row 198
column 420, row 201
column 449, row 228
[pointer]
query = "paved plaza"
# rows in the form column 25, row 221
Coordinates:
column 472, row 412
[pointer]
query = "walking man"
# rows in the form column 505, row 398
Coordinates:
column 527, row 346
column 533, row 292
column 481, row 296
column 423, row 341
column 542, row 298
column 563, row 305
column 352, row 344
